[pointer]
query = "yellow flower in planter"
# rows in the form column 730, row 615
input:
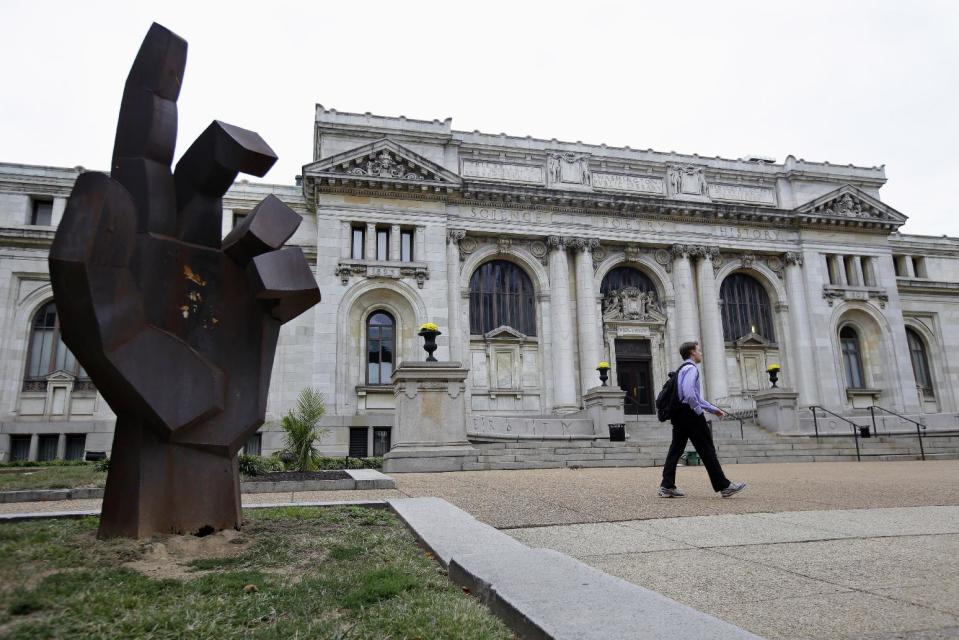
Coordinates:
column 429, row 326
column 603, row 365
column 773, row 367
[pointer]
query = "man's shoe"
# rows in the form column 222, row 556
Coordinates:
column 733, row 489
column 666, row 492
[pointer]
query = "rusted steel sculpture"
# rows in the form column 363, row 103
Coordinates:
column 176, row 327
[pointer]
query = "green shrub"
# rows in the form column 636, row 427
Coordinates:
column 259, row 465
column 302, row 430
column 45, row 463
column 326, row 463
column 102, row 465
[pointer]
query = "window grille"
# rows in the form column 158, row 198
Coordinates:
column 501, row 294
column 852, row 358
column 623, row 277
column 380, row 348
column 746, row 308
column 920, row 362
column 47, row 353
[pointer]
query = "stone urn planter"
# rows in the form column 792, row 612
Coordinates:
column 429, row 331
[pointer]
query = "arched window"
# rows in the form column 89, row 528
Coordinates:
column 852, row 358
column 501, row 294
column 920, row 362
column 380, row 347
column 746, row 308
column 622, row 277
column 47, row 352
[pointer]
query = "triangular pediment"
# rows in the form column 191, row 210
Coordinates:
column 60, row 376
column 504, row 333
column 382, row 163
column 752, row 340
column 849, row 202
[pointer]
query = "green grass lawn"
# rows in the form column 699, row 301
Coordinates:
column 52, row 478
column 342, row 572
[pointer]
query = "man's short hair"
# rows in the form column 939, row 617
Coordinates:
column 687, row 348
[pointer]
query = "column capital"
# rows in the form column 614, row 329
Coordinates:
column 747, row 260
column 557, row 242
column 455, row 235
column 793, row 257
column 632, row 253
column 582, row 244
column 679, row 251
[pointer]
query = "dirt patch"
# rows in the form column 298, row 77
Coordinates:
column 169, row 556
column 301, row 476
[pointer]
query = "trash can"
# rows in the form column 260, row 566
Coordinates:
column 692, row 459
column 864, row 432
column 617, row 432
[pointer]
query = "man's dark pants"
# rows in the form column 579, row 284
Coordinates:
column 689, row 426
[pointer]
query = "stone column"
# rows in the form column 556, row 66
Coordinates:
column 395, row 242
column 419, row 244
column 687, row 321
column 860, row 274
column 838, row 267
column 712, row 342
column 453, row 290
column 564, row 392
column 586, row 329
column 801, row 349
column 371, row 241
column 61, row 446
column 346, row 231
column 34, row 447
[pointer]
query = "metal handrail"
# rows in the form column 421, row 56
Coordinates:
column 919, row 426
column 855, row 427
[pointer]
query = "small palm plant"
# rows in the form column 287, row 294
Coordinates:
column 302, row 432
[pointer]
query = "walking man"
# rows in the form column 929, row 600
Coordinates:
column 689, row 423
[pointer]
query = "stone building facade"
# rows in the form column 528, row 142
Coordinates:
column 538, row 259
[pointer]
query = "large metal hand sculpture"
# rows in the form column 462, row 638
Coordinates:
column 176, row 327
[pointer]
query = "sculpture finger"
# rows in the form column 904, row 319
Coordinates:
column 207, row 170
column 284, row 281
column 146, row 129
column 267, row 227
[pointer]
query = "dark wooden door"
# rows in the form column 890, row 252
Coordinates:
column 634, row 375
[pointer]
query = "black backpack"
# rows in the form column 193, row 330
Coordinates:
column 668, row 399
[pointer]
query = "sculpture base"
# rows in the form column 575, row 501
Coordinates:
column 776, row 410
column 159, row 487
column 430, row 430
column 604, row 406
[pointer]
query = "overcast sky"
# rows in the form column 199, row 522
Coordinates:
column 867, row 83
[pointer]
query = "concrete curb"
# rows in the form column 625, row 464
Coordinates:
column 360, row 480
column 542, row 593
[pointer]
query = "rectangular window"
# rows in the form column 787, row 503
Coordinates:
column 47, row 449
column 238, row 217
column 381, row 442
column 897, row 266
column 358, row 448
column 919, row 266
column 19, row 448
column 359, row 242
column 76, row 446
column 42, row 214
column 254, row 446
column 406, row 246
column 382, row 244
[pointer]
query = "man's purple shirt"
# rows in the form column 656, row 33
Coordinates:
column 689, row 391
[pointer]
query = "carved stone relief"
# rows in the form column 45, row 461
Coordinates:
column 630, row 303
column 568, row 169
column 539, row 251
column 686, row 180
column 662, row 257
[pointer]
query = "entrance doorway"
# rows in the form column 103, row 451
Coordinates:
column 634, row 375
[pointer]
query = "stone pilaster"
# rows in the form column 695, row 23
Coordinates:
column 586, row 323
column 395, row 242
column 564, row 392
column 61, row 446
column 686, row 316
column 801, row 349
column 453, row 291
column 346, row 240
column 419, row 243
column 370, row 241
column 712, row 342
column 860, row 274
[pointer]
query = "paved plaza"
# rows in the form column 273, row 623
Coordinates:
column 809, row 550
